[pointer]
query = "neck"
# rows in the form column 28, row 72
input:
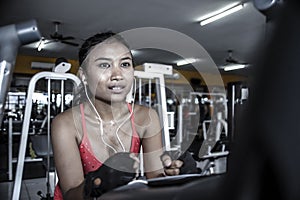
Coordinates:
column 111, row 112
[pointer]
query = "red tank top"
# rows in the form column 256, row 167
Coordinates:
column 88, row 159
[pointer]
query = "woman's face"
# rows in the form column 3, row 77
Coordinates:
column 109, row 71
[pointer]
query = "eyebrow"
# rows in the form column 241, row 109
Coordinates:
column 126, row 58
column 101, row 58
column 109, row 59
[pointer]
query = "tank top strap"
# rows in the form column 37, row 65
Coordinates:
column 135, row 141
column 84, row 138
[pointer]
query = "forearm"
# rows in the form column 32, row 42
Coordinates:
column 76, row 193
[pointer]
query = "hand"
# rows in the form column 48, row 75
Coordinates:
column 171, row 167
column 184, row 164
column 116, row 171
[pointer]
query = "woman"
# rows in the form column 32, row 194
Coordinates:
column 103, row 124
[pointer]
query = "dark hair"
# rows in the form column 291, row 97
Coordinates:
column 96, row 39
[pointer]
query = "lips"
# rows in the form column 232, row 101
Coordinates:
column 116, row 88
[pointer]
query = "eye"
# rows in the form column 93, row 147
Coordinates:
column 126, row 64
column 104, row 65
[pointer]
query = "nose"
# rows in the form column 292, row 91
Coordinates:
column 116, row 74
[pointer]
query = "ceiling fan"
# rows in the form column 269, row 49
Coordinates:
column 230, row 59
column 232, row 63
column 56, row 37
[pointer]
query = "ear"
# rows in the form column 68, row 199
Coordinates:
column 81, row 75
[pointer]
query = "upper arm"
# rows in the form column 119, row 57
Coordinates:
column 152, row 145
column 66, row 152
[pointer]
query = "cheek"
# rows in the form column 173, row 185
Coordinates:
column 95, row 82
column 129, row 74
column 129, row 77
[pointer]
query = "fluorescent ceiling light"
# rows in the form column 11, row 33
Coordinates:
column 221, row 14
column 234, row 67
column 187, row 61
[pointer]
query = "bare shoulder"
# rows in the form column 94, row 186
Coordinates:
column 65, row 121
column 146, row 121
column 63, row 118
column 144, row 114
column 149, row 128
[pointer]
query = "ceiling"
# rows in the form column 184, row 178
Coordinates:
column 240, row 32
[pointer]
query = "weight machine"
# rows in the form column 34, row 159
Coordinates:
column 49, row 76
column 211, row 157
column 12, row 37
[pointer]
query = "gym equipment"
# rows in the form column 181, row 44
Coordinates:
column 25, row 128
column 61, row 65
column 213, row 149
column 270, row 8
column 12, row 37
column 237, row 93
column 265, row 162
column 144, row 78
column 144, row 97
column 192, row 186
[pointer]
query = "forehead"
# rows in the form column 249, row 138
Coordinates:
column 110, row 48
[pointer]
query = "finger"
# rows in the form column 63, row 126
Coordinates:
column 166, row 160
column 172, row 172
column 97, row 181
column 177, row 163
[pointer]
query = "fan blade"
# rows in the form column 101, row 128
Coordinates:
column 70, row 43
column 67, row 38
column 49, row 41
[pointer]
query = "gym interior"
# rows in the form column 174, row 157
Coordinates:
column 239, row 126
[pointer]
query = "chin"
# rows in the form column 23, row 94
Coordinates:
column 118, row 99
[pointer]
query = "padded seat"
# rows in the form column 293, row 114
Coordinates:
column 40, row 146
